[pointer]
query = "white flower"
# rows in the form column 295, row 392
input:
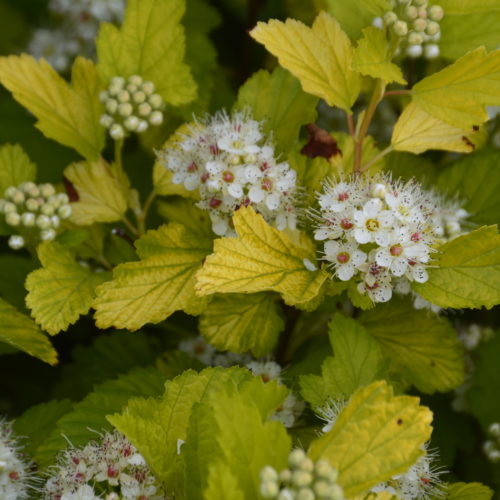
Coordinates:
column 345, row 258
column 267, row 370
column 373, row 223
column 330, row 412
column 84, row 492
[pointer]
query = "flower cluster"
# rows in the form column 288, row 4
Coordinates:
column 14, row 472
column 303, row 480
column 420, row 482
column 111, row 466
column 230, row 161
column 382, row 232
column 131, row 106
column 417, row 24
column 35, row 210
column 78, row 24
column 491, row 447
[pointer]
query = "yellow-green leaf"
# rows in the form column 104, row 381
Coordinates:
column 417, row 131
column 15, row 167
column 261, row 258
column 320, row 56
column 61, row 290
column 241, row 323
column 467, row 272
column 102, row 194
column 468, row 491
column 424, row 348
column 371, row 57
column 459, row 93
column 19, row 331
column 161, row 283
column 150, row 43
column 375, row 437
column 222, row 485
column 69, row 114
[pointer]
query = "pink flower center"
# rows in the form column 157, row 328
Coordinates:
column 415, row 237
column 192, row 167
column 14, row 476
column 345, row 224
column 343, row 196
column 228, row 176
column 267, row 184
column 112, row 472
column 343, row 257
column 214, row 149
column 204, row 177
column 264, row 166
column 396, row 250
column 214, row 203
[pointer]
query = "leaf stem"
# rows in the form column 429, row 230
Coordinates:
column 376, row 158
column 141, row 218
column 397, row 92
column 118, row 154
column 130, row 226
column 350, row 125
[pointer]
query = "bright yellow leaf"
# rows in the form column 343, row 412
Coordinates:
column 161, row 283
column 66, row 113
column 375, row 437
column 459, row 93
column 261, row 258
column 102, row 192
column 320, row 57
column 371, row 57
column 61, row 290
column 417, row 131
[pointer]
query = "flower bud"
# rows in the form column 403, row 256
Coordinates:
column 436, row 13
column 131, row 123
column 148, row 88
column 422, row 13
column 286, row 476
column 156, row 118
column 420, row 3
column 156, row 101
column 494, row 456
column 379, row 190
column 118, row 82
column 286, row 494
column 301, row 478
column 64, row 211
column 18, row 197
column 419, row 24
column 123, row 96
column 268, row 473
column 415, row 38
column 131, row 88
column 16, row 242
column 63, row 198
column 431, row 51
column 10, row 192
column 432, row 28
column 336, row 492
column 47, row 190
column 28, row 219
column 47, row 234
column 296, row 457
column 135, row 80
column 8, row 207
column 112, row 496
column 106, row 121
column 117, row 132
column 13, row 219
column 390, row 18
column 32, row 204
column 125, row 109
column 269, row 489
column 453, row 228
column 142, row 126
column 55, row 221
column 305, row 494
column 43, row 222
column 494, row 429
column 144, row 109
column 139, row 97
column 378, row 23
column 47, row 209
column 27, row 186
column 307, row 465
column 400, row 28
column 111, row 106
column 411, row 12
column 34, row 192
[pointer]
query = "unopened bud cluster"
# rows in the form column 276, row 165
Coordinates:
column 382, row 232
column 110, row 469
column 231, row 163
column 303, row 480
column 14, row 471
column 491, row 447
column 417, row 25
column 34, row 210
column 131, row 105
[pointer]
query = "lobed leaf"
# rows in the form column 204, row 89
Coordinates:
column 15, row 167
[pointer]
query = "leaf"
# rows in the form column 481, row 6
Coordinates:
column 475, row 180
column 37, row 422
column 261, row 258
column 459, row 93
column 62, row 290
column 232, row 427
column 354, row 16
column 154, row 426
column 222, row 485
column 389, row 431
column 320, row 57
column 13, row 270
column 277, row 99
column 358, row 362
column 162, row 282
column 150, row 43
column 467, row 272
column 19, row 331
column 416, row 131
column 89, row 415
column 69, row 114
column 468, row 491
column 423, row 348
column 241, row 323
column 15, row 167
column 371, row 57
column 185, row 212
column 102, row 194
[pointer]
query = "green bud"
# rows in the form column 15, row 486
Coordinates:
column 10, row 192
column 269, row 489
column 125, row 109
column 305, row 494
column 411, row 12
column 144, row 109
column 286, row 494
column 32, row 204
column 156, row 101
column 419, row 24
column 295, row 458
column 8, row 207
column 112, row 496
column 117, row 132
column 322, row 469
column 118, row 81
column 28, row 219
column 132, row 88
column 400, row 28
column 142, row 126
column 64, row 211
column 436, row 13
column 103, row 96
column 390, row 18
column 55, row 221
column 34, row 192
column 286, row 476
column 16, row 242
column 139, row 97
column 420, row 3
column 336, row 492
column 156, row 118
column 135, row 80
column 307, row 465
column 43, row 222
column 301, row 478
column 432, row 28
column 321, row 488
column 422, row 13
column 18, row 197
column 415, row 38
column 268, row 473
column 494, row 429
column 47, row 234
column 47, row 209
column 111, row 106
column 131, row 123
column 148, row 88
column 47, row 190
column 414, row 51
column 13, row 219
column 27, row 186
column 62, row 198
column 106, row 121
column 431, row 51
column 123, row 96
